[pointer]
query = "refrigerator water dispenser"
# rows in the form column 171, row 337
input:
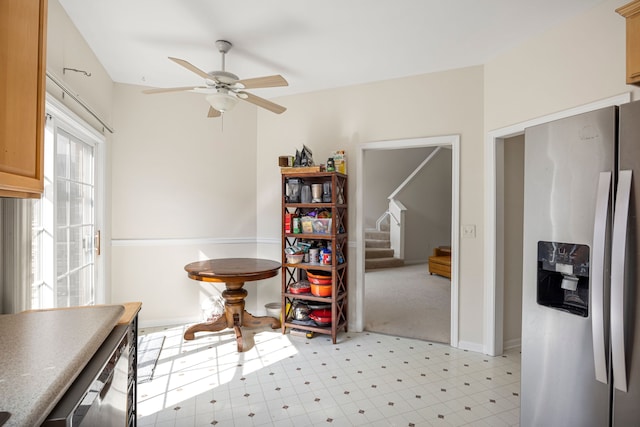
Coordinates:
column 563, row 277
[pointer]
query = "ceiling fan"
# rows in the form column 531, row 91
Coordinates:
column 223, row 89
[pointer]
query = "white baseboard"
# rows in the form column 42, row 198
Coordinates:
column 167, row 322
column 511, row 344
column 471, row 346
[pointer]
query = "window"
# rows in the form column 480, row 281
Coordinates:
column 65, row 271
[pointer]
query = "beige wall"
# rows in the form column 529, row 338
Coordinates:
column 183, row 190
column 178, row 174
column 578, row 62
column 67, row 49
column 427, row 105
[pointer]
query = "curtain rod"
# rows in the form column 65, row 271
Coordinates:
column 66, row 90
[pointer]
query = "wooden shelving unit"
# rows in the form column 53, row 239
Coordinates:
column 336, row 239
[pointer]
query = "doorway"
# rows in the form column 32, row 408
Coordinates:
column 407, row 208
column 451, row 142
column 509, row 229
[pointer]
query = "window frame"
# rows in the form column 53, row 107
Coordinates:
column 72, row 124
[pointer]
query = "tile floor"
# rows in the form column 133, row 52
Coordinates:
column 365, row 379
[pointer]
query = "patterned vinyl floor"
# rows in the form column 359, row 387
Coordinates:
column 365, row 379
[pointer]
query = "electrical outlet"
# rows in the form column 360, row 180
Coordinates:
column 469, row 231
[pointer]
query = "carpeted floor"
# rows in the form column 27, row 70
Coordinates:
column 408, row 302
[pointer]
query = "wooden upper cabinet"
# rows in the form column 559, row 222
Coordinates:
column 631, row 12
column 22, row 96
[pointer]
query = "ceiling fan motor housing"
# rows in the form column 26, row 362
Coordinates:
column 223, row 77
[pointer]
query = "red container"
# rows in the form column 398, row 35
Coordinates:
column 288, row 222
column 300, row 288
column 321, row 317
column 321, row 290
column 320, row 281
column 319, row 277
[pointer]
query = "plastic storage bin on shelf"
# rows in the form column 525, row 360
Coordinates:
column 312, row 225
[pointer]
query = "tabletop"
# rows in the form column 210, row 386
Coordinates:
column 232, row 269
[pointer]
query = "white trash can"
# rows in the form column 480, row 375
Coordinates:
column 273, row 309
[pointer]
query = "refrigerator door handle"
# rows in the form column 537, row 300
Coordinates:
column 597, row 276
column 618, row 254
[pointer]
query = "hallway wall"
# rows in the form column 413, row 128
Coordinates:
column 512, row 239
column 427, row 197
column 385, row 170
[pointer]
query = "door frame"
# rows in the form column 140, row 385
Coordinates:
column 72, row 123
column 493, row 279
column 452, row 141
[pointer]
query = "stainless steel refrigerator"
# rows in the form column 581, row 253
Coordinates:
column 580, row 317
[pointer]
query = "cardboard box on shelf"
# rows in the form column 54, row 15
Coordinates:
column 340, row 161
column 302, row 169
column 285, row 161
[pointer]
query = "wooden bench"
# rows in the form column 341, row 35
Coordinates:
column 440, row 262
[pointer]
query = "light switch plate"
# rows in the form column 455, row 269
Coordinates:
column 469, row 231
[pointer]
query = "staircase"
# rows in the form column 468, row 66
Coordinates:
column 378, row 252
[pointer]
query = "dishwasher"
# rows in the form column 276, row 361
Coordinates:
column 99, row 395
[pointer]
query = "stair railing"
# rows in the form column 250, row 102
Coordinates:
column 397, row 213
column 385, row 216
column 414, row 173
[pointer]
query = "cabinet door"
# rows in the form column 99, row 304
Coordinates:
column 631, row 12
column 22, row 90
column 633, row 48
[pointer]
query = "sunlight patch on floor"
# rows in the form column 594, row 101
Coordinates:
column 187, row 369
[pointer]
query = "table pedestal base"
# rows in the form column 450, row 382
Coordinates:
column 234, row 316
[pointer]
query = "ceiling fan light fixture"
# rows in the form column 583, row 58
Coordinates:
column 222, row 101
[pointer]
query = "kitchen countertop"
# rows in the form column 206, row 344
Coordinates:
column 131, row 310
column 42, row 354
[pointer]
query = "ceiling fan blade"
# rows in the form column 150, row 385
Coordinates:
column 267, row 81
column 261, row 102
column 171, row 89
column 213, row 112
column 189, row 66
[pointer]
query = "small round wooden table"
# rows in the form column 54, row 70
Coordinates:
column 233, row 272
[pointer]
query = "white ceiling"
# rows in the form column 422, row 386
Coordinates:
column 315, row 45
